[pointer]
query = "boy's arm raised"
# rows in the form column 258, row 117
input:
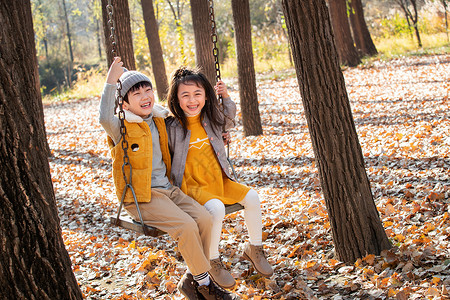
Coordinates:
column 115, row 71
column 107, row 119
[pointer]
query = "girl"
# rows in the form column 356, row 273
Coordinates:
column 200, row 167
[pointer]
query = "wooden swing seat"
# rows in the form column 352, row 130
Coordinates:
column 125, row 221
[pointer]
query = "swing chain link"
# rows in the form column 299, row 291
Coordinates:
column 218, row 77
column 109, row 10
column 123, row 130
column 216, row 57
column 119, row 99
column 214, row 41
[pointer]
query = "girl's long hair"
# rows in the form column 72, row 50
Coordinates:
column 186, row 75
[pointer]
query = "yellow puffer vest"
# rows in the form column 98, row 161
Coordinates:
column 140, row 152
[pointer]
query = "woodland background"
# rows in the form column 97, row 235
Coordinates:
column 399, row 101
column 74, row 26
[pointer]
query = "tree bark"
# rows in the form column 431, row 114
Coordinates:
column 342, row 34
column 361, row 33
column 44, row 25
column 156, row 53
column 414, row 17
column 99, row 40
column 251, row 119
column 416, row 23
column 203, row 43
column 34, row 263
column 177, row 14
column 354, row 219
column 69, row 34
column 444, row 4
column 69, row 45
column 124, row 38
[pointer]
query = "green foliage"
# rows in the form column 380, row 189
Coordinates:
column 398, row 26
column 387, row 25
column 51, row 40
column 394, row 26
column 52, row 76
column 76, row 12
column 141, row 49
column 40, row 23
column 400, row 46
column 265, row 14
column 176, row 35
column 88, row 82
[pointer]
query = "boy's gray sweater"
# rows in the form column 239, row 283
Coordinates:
column 111, row 124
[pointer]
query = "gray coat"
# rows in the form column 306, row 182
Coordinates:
column 179, row 143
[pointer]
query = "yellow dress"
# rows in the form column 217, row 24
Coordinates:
column 203, row 177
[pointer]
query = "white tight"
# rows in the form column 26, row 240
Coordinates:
column 252, row 216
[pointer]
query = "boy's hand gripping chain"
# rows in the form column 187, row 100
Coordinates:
column 123, row 129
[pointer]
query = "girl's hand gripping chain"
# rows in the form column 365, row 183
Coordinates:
column 221, row 89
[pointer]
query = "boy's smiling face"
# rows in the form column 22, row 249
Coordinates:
column 140, row 101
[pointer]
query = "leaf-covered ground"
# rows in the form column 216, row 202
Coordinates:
column 401, row 112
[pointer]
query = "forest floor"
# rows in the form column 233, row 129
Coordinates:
column 401, row 112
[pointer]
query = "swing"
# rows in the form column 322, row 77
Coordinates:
column 122, row 219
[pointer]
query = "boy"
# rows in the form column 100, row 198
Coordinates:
column 162, row 205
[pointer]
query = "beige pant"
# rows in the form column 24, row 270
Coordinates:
column 184, row 219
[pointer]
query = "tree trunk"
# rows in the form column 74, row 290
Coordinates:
column 177, row 13
column 69, row 46
column 124, row 39
column 156, row 53
column 99, row 39
column 44, row 25
column 444, row 3
column 69, row 35
column 354, row 219
column 251, row 119
column 34, row 263
column 342, row 34
column 203, row 43
column 361, row 33
column 415, row 19
column 404, row 5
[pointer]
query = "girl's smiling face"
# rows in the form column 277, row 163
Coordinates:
column 191, row 97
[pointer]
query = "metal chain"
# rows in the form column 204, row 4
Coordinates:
column 214, row 40
column 217, row 66
column 216, row 54
column 111, row 23
column 119, row 99
column 123, row 128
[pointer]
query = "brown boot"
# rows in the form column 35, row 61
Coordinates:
column 188, row 287
column 215, row 292
column 255, row 254
column 220, row 275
